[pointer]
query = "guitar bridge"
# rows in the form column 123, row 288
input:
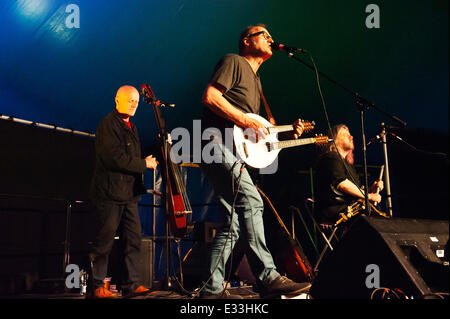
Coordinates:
column 244, row 147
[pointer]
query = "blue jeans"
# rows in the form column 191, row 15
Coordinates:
column 246, row 221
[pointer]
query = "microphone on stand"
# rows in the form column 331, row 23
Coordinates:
column 164, row 104
column 374, row 139
column 281, row 47
column 396, row 136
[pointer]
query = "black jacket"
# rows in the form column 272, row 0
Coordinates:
column 119, row 167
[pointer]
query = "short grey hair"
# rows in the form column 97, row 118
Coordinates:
column 245, row 33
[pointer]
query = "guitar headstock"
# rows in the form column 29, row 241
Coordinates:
column 321, row 139
column 308, row 125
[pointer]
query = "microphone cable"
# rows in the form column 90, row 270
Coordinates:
column 316, row 72
column 230, row 229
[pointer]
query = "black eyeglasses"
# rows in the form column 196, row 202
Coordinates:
column 264, row 33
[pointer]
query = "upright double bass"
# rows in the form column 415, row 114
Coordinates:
column 178, row 208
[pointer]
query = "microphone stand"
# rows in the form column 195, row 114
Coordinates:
column 362, row 105
column 167, row 281
column 167, row 284
column 386, row 170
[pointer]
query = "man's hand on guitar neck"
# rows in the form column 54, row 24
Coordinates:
column 298, row 128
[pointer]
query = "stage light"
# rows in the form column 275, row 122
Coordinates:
column 32, row 8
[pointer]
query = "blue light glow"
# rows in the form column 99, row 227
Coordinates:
column 32, row 8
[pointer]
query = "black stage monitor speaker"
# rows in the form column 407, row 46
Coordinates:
column 116, row 263
column 147, row 262
column 408, row 256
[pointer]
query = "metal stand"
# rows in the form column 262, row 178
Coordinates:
column 328, row 244
column 327, row 240
column 363, row 104
column 164, row 137
column 167, row 280
column 363, row 107
column 387, row 183
column 66, row 260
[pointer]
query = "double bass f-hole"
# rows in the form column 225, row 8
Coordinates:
column 179, row 211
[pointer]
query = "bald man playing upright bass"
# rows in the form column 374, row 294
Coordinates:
column 115, row 191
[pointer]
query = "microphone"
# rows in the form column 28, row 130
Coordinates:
column 281, row 47
column 374, row 139
column 392, row 127
column 164, row 104
column 396, row 136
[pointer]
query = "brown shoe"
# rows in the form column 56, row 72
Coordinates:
column 102, row 292
column 285, row 286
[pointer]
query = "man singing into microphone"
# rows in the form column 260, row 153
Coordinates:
column 115, row 189
column 234, row 90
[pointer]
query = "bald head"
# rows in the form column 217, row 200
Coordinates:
column 127, row 99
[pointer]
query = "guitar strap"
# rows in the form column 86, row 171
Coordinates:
column 266, row 106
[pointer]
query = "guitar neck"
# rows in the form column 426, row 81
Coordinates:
column 280, row 128
column 292, row 143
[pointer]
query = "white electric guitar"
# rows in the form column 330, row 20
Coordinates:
column 264, row 152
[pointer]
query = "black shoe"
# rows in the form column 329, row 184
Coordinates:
column 225, row 294
column 284, row 286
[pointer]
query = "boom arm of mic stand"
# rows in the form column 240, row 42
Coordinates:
column 360, row 99
column 363, row 104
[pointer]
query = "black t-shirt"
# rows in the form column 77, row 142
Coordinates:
column 242, row 89
column 330, row 170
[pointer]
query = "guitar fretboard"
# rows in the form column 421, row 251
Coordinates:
column 280, row 128
column 285, row 128
column 292, row 143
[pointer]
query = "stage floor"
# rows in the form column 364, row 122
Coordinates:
column 245, row 292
